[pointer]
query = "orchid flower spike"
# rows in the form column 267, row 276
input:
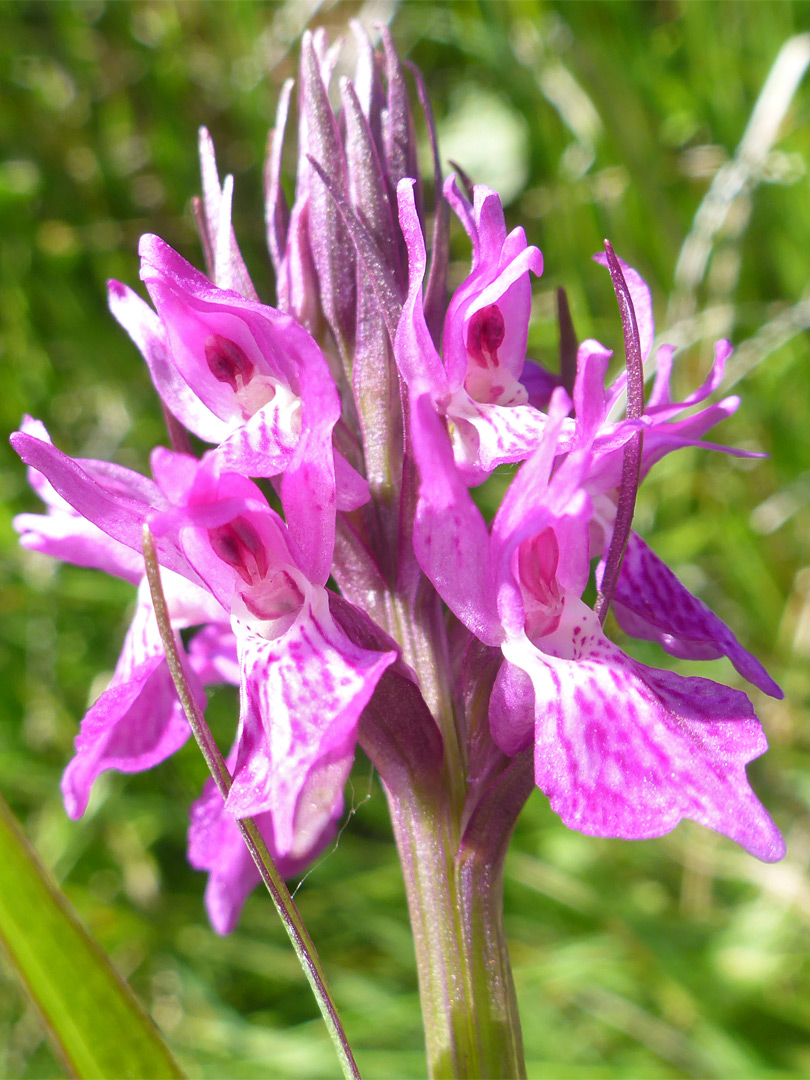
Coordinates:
column 322, row 550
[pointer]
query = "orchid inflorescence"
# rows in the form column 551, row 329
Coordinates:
column 327, row 548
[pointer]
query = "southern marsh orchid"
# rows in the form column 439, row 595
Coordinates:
column 329, row 558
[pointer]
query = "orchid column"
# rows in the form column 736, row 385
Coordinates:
column 346, row 427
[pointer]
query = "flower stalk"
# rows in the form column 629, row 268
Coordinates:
column 455, row 898
column 298, row 934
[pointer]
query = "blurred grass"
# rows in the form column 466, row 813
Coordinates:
column 679, row 957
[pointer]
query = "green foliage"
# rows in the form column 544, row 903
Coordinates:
column 96, row 1023
column 679, row 957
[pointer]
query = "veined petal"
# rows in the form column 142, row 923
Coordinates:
column 450, row 537
column 486, row 436
column 215, row 844
column 264, row 444
column 135, row 724
column 650, row 603
column 627, row 751
column 148, row 333
column 301, row 700
column 104, row 499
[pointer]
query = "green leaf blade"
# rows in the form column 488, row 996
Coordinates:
column 95, row 1020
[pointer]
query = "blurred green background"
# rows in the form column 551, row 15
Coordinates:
column 678, row 957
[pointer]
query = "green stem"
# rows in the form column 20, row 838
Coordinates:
column 285, row 905
column 472, row 1028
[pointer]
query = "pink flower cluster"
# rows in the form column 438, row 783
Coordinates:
column 351, row 581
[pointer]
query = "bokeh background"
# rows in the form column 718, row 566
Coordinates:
column 678, row 957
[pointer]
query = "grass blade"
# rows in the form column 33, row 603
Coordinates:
column 93, row 1017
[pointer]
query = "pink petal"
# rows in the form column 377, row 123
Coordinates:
column 302, row 696
column 212, row 655
column 511, row 709
column 263, row 445
column 414, row 350
column 352, row 490
column 215, row 844
column 133, row 726
column 651, row 603
column 114, row 499
column 450, row 537
column 486, row 436
column 147, row 332
column 627, row 751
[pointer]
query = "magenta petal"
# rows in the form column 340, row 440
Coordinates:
column 651, row 603
column 113, row 498
column 511, row 709
column 499, row 282
column 70, row 538
column 414, row 350
column 487, row 436
column 147, row 332
column 64, row 534
column 264, row 444
column 627, row 751
column 450, row 537
column 134, row 725
column 302, row 696
column 215, row 844
column 212, row 655
column 352, row 488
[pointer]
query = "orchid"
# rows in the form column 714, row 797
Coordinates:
column 329, row 554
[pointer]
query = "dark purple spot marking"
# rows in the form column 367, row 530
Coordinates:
column 240, row 546
column 228, row 362
column 485, row 336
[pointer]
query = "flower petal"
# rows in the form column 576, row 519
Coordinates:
column 450, row 537
column 134, row 725
column 215, row 844
column 627, row 751
column 650, row 603
column 148, row 333
column 302, row 696
column 64, row 534
column 113, row 498
column 486, row 436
